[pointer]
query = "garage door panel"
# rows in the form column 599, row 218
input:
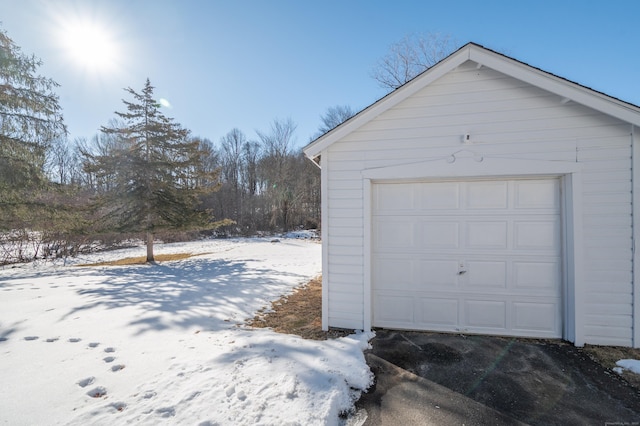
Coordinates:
column 537, row 275
column 394, row 273
column 439, row 311
column 391, row 307
column 537, row 194
column 485, row 313
column 440, row 234
column 486, row 195
column 395, row 197
column 394, row 233
column 485, row 275
column 438, row 274
column 484, row 234
column 539, row 317
column 440, row 196
column 473, row 256
column 537, row 235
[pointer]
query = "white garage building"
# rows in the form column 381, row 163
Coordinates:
column 484, row 196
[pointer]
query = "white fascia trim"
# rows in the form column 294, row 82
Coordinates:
column 483, row 57
column 563, row 88
column 389, row 101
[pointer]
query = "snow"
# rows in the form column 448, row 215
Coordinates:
column 167, row 344
column 632, row 365
column 304, row 234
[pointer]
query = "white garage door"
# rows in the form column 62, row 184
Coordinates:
column 473, row 257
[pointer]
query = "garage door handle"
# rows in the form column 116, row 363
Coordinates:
column 462, row 268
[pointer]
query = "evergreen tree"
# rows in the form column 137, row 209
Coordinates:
column 30, row 120
column 155, row 173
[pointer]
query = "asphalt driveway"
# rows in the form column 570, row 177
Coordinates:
column 429, row 378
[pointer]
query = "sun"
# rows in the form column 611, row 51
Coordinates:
column 89, row 45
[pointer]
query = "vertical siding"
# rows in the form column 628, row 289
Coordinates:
column 507, row 119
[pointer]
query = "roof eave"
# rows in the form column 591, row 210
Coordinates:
column 564, row 88
column 393, row 98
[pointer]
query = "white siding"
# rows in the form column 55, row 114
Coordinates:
column 506, row 119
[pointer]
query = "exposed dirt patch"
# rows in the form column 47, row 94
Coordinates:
column 299, row 313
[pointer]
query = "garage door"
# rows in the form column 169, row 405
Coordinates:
column 472, row 257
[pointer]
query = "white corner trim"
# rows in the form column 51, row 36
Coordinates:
column 324, row 234
column 574, row 304
column 368, row 293
column 635, row 203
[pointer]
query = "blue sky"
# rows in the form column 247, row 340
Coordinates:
column 244, row 63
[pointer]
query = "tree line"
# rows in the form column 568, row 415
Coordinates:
column 256, row 185
column 143, row 176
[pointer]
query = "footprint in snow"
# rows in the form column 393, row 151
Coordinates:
column 93, row 344
column 52, row 339
column 3, row 339
column 98, row 392
column 118, row 406
column 86, row 382
column 166, row 412
column 109, row 350
column 230, row 390
column 74, row 340
column 30, row 338
column 117, row 368
column 109, row 359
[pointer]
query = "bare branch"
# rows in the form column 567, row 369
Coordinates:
column 412, row 55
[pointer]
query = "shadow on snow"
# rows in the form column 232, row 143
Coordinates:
column 206, row 293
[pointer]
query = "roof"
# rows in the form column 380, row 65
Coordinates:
column 563, row 87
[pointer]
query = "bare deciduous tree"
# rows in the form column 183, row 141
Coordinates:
column 278, row 145
column 412, row 55
column 279, row 141
column 333, row 117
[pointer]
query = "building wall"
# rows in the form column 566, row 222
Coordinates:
column 507, row 119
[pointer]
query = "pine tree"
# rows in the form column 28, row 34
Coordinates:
column 30, row 120
column 156, row 181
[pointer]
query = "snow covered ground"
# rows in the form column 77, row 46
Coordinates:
column 165, row 344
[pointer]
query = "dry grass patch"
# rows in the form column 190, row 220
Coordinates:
column 608, row 355
column 299, row 313
column 141, row 260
